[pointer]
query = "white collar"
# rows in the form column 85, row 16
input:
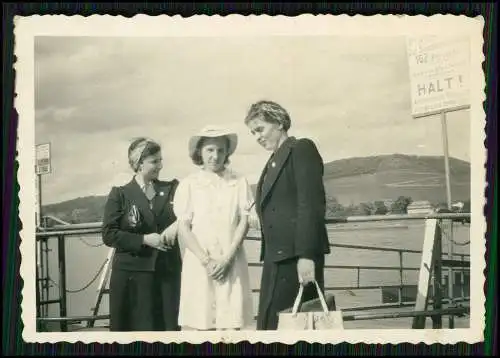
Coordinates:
column 140, row 181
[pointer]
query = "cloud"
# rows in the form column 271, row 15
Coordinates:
column 93, row 95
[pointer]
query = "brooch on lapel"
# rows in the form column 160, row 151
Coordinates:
column 134, row 216
column 273, row 164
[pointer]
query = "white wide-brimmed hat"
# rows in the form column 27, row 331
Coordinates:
column 212, row 131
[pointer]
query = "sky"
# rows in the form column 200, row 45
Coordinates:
column 94, row 95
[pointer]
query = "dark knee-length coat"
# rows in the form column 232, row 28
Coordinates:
column 290, row 203
column 127, row 218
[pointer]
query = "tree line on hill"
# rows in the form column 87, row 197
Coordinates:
column 334, row 209
column 378, row 207
column 93, row 211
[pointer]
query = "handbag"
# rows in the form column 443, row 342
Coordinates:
column 310, row 317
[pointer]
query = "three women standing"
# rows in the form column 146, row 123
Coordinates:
column 211, row 206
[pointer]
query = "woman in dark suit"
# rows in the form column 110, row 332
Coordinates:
column 290, row 203
column 140, row 224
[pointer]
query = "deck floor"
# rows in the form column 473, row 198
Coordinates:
column 390, row 323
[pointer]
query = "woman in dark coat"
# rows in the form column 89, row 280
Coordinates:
column 290, row 203
column 140, row 224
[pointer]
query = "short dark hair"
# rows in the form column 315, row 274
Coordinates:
column 270, row 112
column 198, row 160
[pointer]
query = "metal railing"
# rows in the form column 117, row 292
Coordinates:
column 61, row 233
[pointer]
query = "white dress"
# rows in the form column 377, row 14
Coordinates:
column 213, row 205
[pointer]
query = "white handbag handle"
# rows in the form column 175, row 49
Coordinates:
column 299, row 297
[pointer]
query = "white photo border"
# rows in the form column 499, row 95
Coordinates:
column 27, row 28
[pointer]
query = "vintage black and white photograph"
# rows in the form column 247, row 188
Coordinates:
column 251, row 178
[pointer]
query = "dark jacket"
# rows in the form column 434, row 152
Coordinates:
column 124, row 227
column 291, row 203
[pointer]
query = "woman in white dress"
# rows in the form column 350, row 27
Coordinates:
column 212, row 206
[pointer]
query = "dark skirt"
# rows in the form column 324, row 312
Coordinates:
column 279, row 289
column 144, row 301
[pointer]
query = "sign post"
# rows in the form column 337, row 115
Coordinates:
column 42, row 167
column 444, row 132
column 439, row 79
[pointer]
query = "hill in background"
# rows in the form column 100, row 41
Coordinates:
column 350, row 181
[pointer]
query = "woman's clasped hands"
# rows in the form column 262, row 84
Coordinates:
column 218, row 269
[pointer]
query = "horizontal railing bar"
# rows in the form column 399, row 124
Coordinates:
column 401, row 217
column 352, row 317
column 349, row 219
column 49, row 302
column 455, row 263
column 67, row 233
column 374, row 248
column 347, row 309
column 351, row 267
column 93, row 225
column 47, row 234
column 359, row 288
column 443, row 312
column 77, row 318
column 403, row 304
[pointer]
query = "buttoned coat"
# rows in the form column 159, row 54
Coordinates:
column 145, row 282
column 290, row 203
column 124, row 226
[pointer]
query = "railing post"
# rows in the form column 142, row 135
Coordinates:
column 462, row 278
column 400, row 277
column 38, row 305
column 44, row 247
column 451, row 318
column 437, row 320
column 61, row 252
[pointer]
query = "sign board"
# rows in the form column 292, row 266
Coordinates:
column 43, row 159
column 439, row 73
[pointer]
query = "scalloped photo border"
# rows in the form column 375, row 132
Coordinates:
column 27, row 28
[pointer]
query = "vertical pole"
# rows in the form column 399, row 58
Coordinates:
column 45, row 270
column 39, row 256
column 462, row 279
column 451, row 318
column 437, row 321
column 39, row 201
column 400, row 277
column 38, row 306
column 446, row 158
column 62, row 280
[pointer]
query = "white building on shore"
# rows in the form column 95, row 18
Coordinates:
column 420, row 207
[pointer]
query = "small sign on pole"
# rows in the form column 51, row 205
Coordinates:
column 43, row 165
